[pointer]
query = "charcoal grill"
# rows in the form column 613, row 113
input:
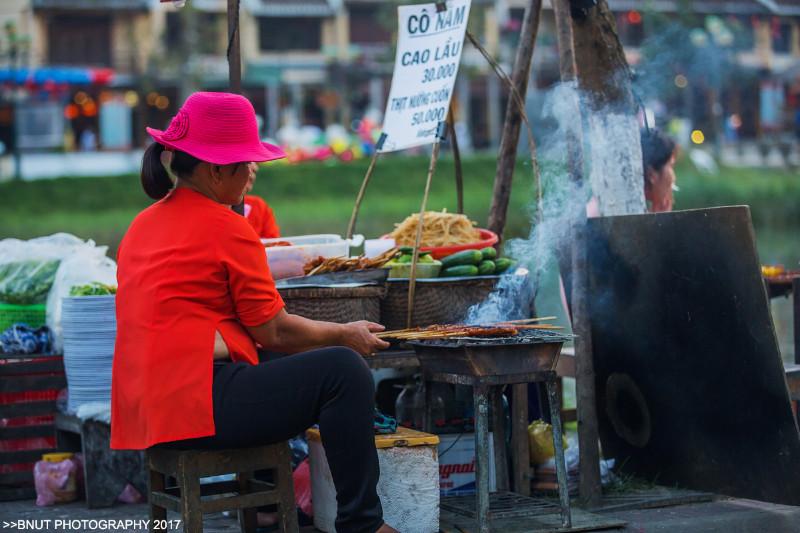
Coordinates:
column 488, row 364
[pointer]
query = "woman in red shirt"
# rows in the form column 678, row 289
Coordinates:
column 196, row 296
column 259, row 214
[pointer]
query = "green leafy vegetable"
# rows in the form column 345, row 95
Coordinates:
column 94, row 288
column 27, row 282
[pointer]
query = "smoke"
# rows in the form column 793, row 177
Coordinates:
column 702, row 55
column 550, row 230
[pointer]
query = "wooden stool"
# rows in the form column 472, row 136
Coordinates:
column 244, row 494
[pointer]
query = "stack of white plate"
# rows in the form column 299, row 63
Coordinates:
column 90, row 328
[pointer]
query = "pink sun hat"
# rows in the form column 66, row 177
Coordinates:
column 218, row 128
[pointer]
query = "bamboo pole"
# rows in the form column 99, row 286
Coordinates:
column 234, row 64
column 451, row 126
column 234, row 54
column 412, row 282
column 589, row 483
column 511, row 127
column 357, row 207
column 514, row 94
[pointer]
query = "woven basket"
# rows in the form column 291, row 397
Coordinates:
column 335, row 304
column 443, row 301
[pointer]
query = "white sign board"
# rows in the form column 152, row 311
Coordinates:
column 428, row 55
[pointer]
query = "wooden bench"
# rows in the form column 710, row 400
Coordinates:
column 244, row 494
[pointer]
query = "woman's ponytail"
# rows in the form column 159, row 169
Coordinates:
column 155, row 179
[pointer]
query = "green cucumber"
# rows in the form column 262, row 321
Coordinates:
column 460, row 270
column 467, row 257
column 486, row 268
column 489, row 253
column 502, row 264
column 406, row 249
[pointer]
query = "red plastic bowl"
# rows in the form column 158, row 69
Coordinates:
column 488, row 238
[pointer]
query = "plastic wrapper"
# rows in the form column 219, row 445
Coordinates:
column 130, row 495
column 55, row 482
column 43, row 270
column 302, row 488
column 27, row 282
column 540, row 436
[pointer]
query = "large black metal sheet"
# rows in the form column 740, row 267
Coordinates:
column 690, row 382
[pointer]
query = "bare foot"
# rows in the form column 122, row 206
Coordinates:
column 385, row 528
column 266, row 519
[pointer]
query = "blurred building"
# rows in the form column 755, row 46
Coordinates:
column 111, row 66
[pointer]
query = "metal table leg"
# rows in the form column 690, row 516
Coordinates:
column 554, row 400
column 481, row 399
column 499, row 439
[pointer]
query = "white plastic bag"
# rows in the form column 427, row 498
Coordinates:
column 84, row 265
column 27, row 268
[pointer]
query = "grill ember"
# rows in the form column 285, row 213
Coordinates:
column 530, row 336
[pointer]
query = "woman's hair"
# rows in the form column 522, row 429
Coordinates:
column 657, row 149
column 155, row 179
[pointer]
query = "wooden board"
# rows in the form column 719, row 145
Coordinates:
column 691, row 387
column 654, row 498
column 450, row 522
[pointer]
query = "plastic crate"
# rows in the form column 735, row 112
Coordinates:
column 33, row 315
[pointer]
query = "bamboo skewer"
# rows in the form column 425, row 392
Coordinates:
column 526, row 320
column 414, row 333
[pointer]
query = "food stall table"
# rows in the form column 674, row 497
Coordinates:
column 784, row 285
column 487, row 365
column 393, row 358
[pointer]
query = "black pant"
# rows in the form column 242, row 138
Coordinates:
column 278, row 399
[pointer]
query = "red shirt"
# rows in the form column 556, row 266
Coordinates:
column 187, row 267
column 261, row 217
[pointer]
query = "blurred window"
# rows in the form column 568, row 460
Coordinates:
column 278, row 34
column 79, row 40
column 366, row 25
column 743, row 31
column 782, row 37
column 210, row 31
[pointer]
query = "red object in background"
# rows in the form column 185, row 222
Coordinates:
column 487, row 238
column 634, row 17
column 302, row 488
column 101, row 76
column 71, row 112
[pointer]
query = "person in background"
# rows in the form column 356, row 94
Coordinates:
column 658, row 158
column 658, row 166
column 259, row 214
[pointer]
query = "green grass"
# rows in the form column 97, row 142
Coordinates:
column 318, row 198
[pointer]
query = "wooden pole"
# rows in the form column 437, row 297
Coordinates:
column 604, row 78
column 234, row 64
column 516, row 97
column 451, row 126
column 510, row 138
column 354, row 216
column 589, row 483
column 234, row 54
column 412, row 282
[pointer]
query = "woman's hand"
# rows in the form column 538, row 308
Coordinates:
column 360, row 336
column 291, row 334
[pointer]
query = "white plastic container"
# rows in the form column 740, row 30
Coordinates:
column 408, row 486
column 288, row 261
column 457, row 464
